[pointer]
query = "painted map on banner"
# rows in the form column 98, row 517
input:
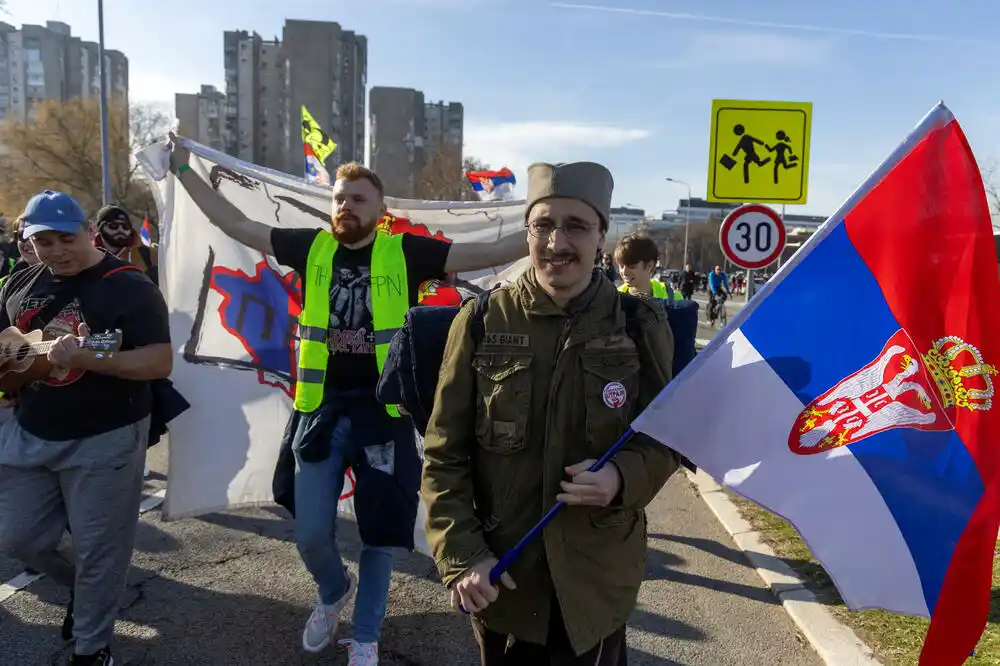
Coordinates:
column 233, row 313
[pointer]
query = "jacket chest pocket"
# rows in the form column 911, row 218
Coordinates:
column 503, row 382
column 611, row 388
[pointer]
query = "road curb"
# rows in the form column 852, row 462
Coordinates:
column 836, row 643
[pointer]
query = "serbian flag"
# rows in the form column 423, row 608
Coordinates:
column 854, row 395
column 315, row 171
column 492, row 185
column 145, row 233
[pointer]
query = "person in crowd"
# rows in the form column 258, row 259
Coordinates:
column 67, row 459
column 358, row 284
column 23, row 254
column 114, row 232
column 688, row 281
column 520, row 418
column 636, row 255
column 608, row 266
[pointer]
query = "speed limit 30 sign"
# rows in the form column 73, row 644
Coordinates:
column 752, row 236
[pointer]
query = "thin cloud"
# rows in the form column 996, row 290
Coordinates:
column 149, row 87
column 829, row 30
column 555, row 134
column 746, row 48
column 516, row 145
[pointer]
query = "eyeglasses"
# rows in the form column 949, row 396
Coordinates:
column 543, row 228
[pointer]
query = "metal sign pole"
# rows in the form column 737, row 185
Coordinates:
column 783, row 222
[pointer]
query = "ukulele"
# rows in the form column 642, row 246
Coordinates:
column 24, row 355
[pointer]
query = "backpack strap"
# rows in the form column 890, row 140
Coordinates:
column 630, row 306
column 127, row 267
column 478, row 331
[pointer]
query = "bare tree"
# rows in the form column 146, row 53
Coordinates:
column 59, row 148
column 148, row 124
column 704, row 252
column 473, row 164
column 990, row 175
column 443, row 177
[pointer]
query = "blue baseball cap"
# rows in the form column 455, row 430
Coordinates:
column 53, row 211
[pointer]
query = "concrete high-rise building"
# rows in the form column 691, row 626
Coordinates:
column 409, row 135
column 47, row 62
column 444, row 129
column 397, row 126
column 316, row 64
column 326, row 68
column 201, row 116
column 254, row 91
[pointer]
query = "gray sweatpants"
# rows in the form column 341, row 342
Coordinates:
column 92, row 486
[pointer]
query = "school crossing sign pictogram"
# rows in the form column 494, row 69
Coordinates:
column 759, row 151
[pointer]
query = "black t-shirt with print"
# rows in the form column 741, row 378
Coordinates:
column 352, row 364
column 75, row 403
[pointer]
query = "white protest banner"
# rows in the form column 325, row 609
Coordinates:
column 232, row 319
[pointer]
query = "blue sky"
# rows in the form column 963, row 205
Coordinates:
column 625, row 82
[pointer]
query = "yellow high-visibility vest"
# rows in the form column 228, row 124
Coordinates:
column 390, row 302
column 660, row 290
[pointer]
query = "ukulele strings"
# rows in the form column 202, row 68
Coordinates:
column 19, row 351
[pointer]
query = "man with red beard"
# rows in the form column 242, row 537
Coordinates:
column 357, row 286
column 113, row 231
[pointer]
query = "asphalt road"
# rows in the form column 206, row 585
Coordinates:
column 229, row 589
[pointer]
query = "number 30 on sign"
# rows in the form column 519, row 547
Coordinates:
column 752, row 236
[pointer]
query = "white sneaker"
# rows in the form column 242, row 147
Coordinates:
column 322, row 624
column 361, row 654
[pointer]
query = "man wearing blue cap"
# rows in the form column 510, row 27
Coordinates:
column 72, row 456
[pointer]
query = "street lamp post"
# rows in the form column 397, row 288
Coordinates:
column 687, row 217
column 105, row 158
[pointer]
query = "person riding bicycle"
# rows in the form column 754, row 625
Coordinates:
column 718, row 291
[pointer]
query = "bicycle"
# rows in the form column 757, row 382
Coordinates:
column 717, row 308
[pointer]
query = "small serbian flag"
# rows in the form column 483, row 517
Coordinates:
column 492, row 184
column 144, row 233
column 859, row 397
column 315, row 171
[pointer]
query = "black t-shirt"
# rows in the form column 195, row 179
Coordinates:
column 352, row 363
column 76, row 403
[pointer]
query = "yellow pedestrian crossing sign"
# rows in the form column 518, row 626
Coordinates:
column 759, row 151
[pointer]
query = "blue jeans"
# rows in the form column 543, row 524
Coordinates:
column 318, row 486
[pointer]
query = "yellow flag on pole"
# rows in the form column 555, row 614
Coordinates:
column 314, row 137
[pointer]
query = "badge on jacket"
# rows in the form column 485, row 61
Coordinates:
column 614, row 394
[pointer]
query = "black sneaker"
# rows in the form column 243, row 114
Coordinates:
column 100, row 658
column 67, row 625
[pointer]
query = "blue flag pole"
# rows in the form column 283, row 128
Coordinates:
column 508, row 558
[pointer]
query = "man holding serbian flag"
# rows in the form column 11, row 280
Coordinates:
column 860, row 399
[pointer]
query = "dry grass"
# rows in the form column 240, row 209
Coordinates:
column 896, row 639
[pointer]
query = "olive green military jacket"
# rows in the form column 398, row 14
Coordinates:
column 544, row 391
